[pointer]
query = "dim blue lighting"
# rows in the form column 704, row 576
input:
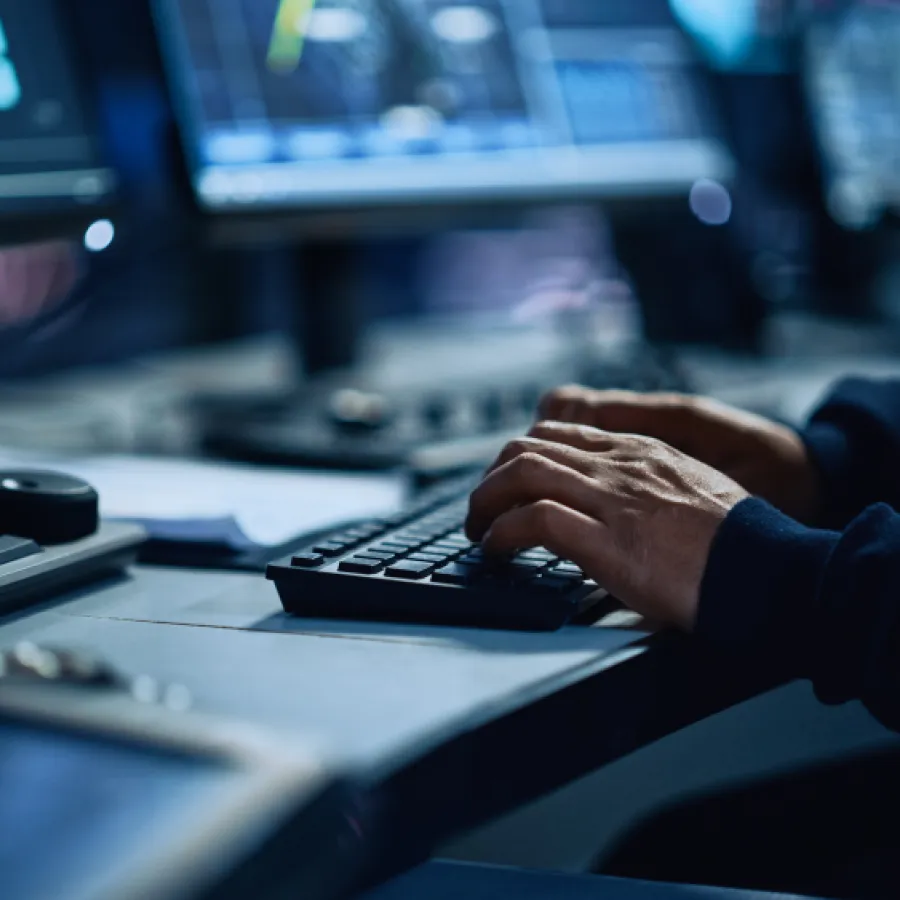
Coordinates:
column 725, row 29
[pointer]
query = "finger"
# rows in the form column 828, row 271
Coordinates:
column 527, row 479
column 562, row 452
column 571, row 403
column 564, row 531
column 673, row 418
column 611, row 410
column 580, row 437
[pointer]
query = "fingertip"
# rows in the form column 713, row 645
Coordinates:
column 473, row 529
column 494, row 545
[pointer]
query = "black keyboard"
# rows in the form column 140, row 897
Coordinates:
column 419, row 566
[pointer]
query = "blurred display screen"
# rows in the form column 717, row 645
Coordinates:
column 50, row 157
column 741, row 35
column 853, row 76
column 97, row 810
column 293, row 102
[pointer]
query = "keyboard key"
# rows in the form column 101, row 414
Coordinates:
column 459, row 546
column 556, row 583
column 442, row 547
column 445, row 525
column 538, row 553
column 568, row 569
column 473, row 556
column 415, row 535
column 455, row 574
column 385, row 555
column 331, row 548
column 410, row 542
column 433, row 558
column 410, row 570
column 532, row 565
column 361, row 565
column 524, row 571
column 307, row 560
column 396, row 546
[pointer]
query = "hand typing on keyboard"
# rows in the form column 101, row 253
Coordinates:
column 635, row 514
column 768, row 459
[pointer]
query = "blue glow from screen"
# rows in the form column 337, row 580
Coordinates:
column 725, row 29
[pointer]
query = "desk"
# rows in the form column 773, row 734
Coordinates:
column 452, row 728
column 449, row 727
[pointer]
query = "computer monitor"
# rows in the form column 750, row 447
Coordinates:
column 53, row 179
column 325, row 106
column 852, row 76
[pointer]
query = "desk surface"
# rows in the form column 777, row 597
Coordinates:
column 374, row 694
column 450, row 727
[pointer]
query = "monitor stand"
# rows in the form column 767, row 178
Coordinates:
column 319, row 421
column 324, row 323
column 328, row 328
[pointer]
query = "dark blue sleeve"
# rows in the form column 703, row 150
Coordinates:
column 854, row 442
column 824, row 603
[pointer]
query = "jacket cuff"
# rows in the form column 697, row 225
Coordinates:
column 831, row 454
column 762, row 579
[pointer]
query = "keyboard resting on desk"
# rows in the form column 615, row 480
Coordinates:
column 418, row 566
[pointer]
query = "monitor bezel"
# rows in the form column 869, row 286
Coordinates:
column 398, row 216
column 62, row 218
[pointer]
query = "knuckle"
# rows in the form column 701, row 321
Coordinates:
column 529, row 465
column 546, row 428
column 594, row 438
column 546, row 515
column 519, row 447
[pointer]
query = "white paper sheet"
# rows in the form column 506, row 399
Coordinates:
column 271, row 506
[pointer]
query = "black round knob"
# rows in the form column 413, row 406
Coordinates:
column 47, row 507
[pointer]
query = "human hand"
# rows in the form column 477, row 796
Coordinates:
column 767, row 459
column 635, row 514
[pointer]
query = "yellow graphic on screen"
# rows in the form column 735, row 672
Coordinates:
column 289, row 34
column 10, row 89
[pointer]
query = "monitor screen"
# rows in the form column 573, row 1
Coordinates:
column 51, row 163
column 322, row 103
column 852, row 60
